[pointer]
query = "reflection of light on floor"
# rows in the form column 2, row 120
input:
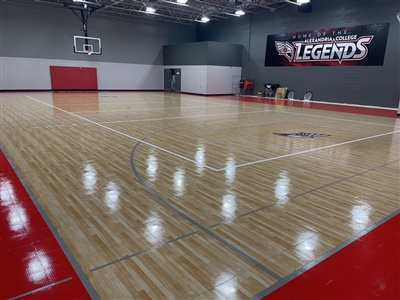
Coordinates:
column 230, row 170
column 179, row 181
column 89, row 178
column 154, row 229
column 7, row 194
column 306, row 245
column 225, row 285
column 200, row 158
column 39, row 268
column 17, row 218
column 228, row 205
column 306, row 104
column 282, row 187
column 360, row 216
column 152, row 166
column 111, row 196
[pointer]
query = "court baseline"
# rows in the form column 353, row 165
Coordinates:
column 206, row 166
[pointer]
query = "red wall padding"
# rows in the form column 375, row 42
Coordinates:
column 73, row 78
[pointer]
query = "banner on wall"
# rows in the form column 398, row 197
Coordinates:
column 363, row 45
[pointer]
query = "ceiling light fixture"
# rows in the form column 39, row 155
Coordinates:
column 303, row 1
column 181, row 1
column 150, row 10
column 205, row 19
column 239, row 12
column 84, row 1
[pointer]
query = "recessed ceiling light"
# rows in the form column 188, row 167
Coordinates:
column 150, row 9
column 239, row 12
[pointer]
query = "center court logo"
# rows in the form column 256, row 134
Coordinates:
column 303, row 135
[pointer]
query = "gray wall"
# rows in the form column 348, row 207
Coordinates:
column 33, row 32
column 186, row 54
column 203, row 53
column 207, row 68
column 368, row 85
column 220, row 54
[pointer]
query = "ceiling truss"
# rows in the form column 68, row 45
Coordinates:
column 167, row 11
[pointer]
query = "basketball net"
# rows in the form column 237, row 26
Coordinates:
column 89, row 52
column 398, row 16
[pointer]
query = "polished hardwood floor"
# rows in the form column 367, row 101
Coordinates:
column 160, row 195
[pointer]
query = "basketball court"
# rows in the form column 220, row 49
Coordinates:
column 162, row 195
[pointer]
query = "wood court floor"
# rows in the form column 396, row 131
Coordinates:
column 160, row 195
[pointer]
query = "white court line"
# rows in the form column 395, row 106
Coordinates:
column 337, row 119
column 311, row 150
column 255, row 110
column 120, row 133
column 348, row 104
column 151, row 109
column 208, row 167
column 172, row 118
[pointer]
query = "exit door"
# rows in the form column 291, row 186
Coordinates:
column 172, row 80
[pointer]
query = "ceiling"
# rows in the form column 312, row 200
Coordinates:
column 165, row 10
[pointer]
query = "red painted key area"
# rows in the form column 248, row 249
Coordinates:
column 368, row 268
column 32, row 263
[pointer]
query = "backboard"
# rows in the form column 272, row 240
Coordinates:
column 87, row 45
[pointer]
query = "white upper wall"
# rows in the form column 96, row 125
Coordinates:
column 208, row 80
column 19, row 73
column 222, row 80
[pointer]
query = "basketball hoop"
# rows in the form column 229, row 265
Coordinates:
column 87, row 45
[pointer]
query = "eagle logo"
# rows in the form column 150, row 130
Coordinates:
column 286, row 49
column 302, row 135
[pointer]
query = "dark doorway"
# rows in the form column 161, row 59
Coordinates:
column 172, row 80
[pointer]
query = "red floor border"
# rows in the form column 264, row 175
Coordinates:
column 32, row 263
column 368, row 268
